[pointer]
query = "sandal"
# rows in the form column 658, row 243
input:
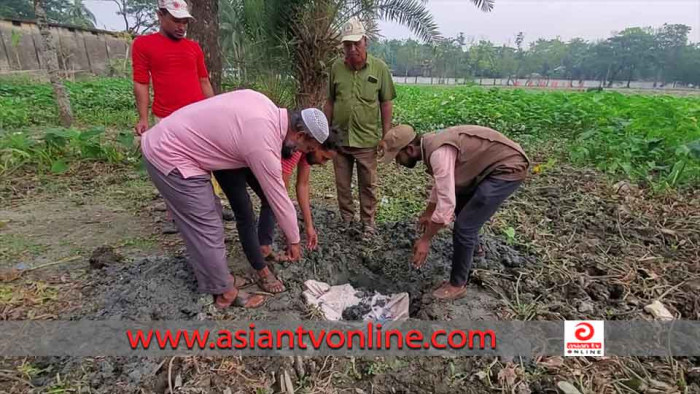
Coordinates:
column 271, row 258
column 448, row 292
column 241, row 282
column 225, row 300
column 269, row 282
column 250, row 301
column 275, row 258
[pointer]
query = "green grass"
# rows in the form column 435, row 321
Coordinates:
column 652, row 139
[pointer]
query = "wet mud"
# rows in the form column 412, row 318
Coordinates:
column 164, row 288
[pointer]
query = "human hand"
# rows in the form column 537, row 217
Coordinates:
column 141, row 127
column 293, row 252
column 311, row 238
column 420, row 252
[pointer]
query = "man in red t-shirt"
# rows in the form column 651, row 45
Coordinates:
column 176, row 67
column 303, row 163
column 174, row 63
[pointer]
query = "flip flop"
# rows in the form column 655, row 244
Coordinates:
column 244, row 301
column 250, row 301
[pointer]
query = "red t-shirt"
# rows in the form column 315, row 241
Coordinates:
column 175, row 68
column 289, row 164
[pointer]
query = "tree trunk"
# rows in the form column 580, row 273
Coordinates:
column 47, row 47
column 205, row 30
column 122, row 8
column 315, row 46
column 657, row 76
column 629, row 78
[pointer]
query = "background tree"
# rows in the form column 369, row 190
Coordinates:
column 57, row 11
column 644, row 54
column 139, row 15
column 304, row 51
column 669, row 45
column 631, row 50
column 77, row 14
column 50, row 60
column 520, row 54
column 575, row 59
column 206, row 32
column 16, row 9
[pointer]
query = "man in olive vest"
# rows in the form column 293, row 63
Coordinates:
column 474, row 169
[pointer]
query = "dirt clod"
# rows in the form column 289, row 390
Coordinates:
column 356, row 312
column 104, row 256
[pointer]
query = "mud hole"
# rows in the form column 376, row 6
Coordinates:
column 159, row 288
column 164, row 288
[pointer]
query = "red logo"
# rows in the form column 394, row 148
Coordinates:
column 584, row 338
column 176, row 5
column 584, row 333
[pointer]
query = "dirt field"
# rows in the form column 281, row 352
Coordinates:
column 582, row 247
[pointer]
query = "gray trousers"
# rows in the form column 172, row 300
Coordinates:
column 472, row 210
column 197, row 214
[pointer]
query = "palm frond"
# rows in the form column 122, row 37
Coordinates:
column 411, row 13
column 485, row 5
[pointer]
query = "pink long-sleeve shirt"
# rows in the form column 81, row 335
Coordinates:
column 232, row 130
column 443, row 162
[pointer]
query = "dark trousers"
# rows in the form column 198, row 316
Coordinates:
column 233, row 183
column 472, row 211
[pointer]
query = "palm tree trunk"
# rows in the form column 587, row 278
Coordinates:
column 315, row 45
column 206, row 32
column 50, row 59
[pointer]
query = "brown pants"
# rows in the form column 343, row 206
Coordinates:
column 343, row 163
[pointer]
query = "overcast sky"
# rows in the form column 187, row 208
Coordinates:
column 589, row 19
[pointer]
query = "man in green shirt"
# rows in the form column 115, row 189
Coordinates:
column 359, row 104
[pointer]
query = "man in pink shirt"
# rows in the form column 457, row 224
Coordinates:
column 474, row 169
column 228, row 134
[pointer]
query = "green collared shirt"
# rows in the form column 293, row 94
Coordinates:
column 356, row 97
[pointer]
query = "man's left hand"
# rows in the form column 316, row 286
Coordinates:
column 311, row 238
column 420, row 252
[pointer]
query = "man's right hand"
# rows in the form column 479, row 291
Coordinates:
column 293, row 252
column 141, row 127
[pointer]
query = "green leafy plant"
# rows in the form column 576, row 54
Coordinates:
column 58, row 148
column 653, row 139
column 641, row 137
column 510, row 235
